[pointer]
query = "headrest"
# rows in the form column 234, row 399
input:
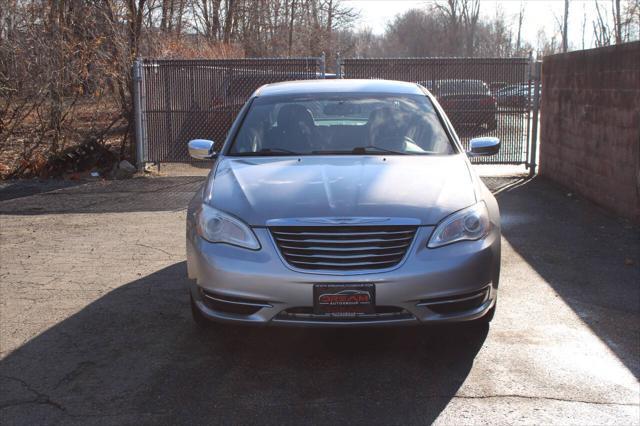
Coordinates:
column 291, row 115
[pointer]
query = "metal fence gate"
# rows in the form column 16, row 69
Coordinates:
column 506, row 111
column 179, row 100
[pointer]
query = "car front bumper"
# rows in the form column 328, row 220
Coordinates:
column 425, row 279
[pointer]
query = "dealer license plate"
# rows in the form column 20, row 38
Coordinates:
column 344, row 299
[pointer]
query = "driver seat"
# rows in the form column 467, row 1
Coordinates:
column 294, row 131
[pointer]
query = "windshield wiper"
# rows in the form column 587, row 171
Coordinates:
column 267, row 151
column 359, row 150
column 364, row 149
column 331, row 152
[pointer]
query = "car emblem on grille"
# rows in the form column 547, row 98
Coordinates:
column 343, row 220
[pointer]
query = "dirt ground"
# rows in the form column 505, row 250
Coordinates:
column 95, row 324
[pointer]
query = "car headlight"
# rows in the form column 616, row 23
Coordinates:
column 219, row 227
column 471, row 223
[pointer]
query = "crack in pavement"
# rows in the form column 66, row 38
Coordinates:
column 40, row 398
column 76, row 371
column 546, row 398
column 43, row 399
column 156, row 248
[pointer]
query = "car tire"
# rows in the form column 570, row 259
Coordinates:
column 200, row 320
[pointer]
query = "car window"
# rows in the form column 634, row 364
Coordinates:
column 341, row 124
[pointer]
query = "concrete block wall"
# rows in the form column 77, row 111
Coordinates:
column 590, row 125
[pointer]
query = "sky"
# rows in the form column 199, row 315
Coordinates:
column 538, row 14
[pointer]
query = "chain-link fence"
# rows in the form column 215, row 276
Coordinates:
column 482, row 97
column 180, row 100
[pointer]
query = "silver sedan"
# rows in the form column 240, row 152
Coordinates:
column 343, row 203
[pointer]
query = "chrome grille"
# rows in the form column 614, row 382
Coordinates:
column 343, row 247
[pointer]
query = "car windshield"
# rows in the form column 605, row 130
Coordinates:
column 342, row 124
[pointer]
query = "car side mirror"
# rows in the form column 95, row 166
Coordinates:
column 483, row 146
column 202, row 149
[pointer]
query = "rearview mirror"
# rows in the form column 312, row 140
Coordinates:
column 340, row 108
column 202, row 149
column 483, row 146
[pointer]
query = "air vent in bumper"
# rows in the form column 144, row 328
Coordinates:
column 382, row 313
column 458, row 303
column 231, row 305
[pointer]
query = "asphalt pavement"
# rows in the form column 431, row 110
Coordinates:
column 95, row 325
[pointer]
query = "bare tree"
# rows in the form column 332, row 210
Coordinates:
column 230, row 10
column 292, row 15
column 460, row 18
column 367, row 44
column 58, row 57
column 520, row 18
column 405, row 34
column 63, row 68
column 210, row 11
column 470, row 16
column 451, row 10
column 622, row 26
column 617, row 20
column 584, row 24
column 546, row 45
column 565, row 27
column 55, row 19
column 601, row 28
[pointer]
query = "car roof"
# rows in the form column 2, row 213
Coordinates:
column 338, row 86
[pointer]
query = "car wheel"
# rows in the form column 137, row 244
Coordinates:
column 200, row 320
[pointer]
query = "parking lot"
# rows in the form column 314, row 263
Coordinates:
column 95, row 324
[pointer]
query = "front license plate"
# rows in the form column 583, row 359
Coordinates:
column 344, row 299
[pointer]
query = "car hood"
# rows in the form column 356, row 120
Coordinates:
column 424, row 189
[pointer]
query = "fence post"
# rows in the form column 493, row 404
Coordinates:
column 338, row 66
column 537, row 76
column 137, row 112
column 323, row 65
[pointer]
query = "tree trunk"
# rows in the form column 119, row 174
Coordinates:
column 291, row 19
column 180, row 15
column 584, row 25
column 170, row 14
column 56, row 14
column 165, row 13
column 520, row 26
column 565, row 42
column 228, row 21
column 618, row 22
column 470, row 16
column 215, row 19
